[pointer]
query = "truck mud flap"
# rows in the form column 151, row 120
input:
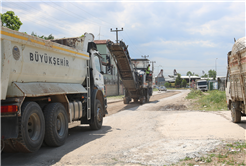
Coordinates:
column 9, row 127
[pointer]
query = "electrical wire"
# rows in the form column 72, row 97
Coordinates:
column 35, row 20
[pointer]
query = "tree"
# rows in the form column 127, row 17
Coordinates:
column 189, row 73
column 212, row 73
column 205, row 76
column 183, row 83
column 167, row 84
column 43, row 37
column 11, row 21
column 178, row 80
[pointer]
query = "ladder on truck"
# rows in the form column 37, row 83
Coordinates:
column 88, row 91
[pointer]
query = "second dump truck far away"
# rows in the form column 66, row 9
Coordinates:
column 236, row 80
column 47, row 85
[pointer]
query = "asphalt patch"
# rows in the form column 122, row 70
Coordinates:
column 171, row 107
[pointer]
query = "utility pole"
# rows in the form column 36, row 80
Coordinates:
column 118, row 75
column 116, row 30
column 153, row 65
column 216, row 66
column 153, row 76
column 145, row 56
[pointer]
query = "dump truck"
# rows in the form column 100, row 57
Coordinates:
column 235, row 80
column 48, row 86
column 137, row 84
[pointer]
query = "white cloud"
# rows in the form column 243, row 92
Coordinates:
column 178, row 43
column 220, row 27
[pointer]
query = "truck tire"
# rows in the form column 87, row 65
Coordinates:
column 142, row 100
column 31, row 128
column 235, row 112
column 150, row 91
column 56, row 124
column 97, row 116
column 147, row 97
column 126, row 100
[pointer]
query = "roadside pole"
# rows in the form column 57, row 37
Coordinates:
column 118, row 76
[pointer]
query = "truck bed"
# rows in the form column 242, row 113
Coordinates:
column 28, row 60
column 237, row 70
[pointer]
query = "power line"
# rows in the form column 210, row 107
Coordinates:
column 43, row 25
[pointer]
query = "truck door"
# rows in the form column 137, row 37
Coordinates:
column 97, row 68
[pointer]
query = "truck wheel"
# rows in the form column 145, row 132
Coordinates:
column 235, row 112
column 97, row 116
column 56, row 124
column 31, row 128
column 147, row 97
column 142, row 100
column 126, row 100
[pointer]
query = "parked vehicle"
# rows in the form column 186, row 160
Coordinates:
column 46, row 86
column 235, row 81
column 162, row 88
column 202, row 85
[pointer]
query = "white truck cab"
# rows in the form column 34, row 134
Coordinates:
column 202, row 85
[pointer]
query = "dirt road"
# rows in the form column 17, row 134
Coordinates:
column 117, row 105
column 151, row 134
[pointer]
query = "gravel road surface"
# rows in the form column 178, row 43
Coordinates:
column 149, row 134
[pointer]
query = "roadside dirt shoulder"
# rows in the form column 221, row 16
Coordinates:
column 114, row 107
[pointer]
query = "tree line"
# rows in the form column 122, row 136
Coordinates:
column 11, row 21
column 179, row 82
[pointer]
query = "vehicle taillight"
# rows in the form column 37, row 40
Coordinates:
column 9, row 109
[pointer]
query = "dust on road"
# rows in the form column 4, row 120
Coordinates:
column 142, row 134
column 120, row 106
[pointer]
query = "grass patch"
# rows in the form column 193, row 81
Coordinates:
column 194, row 94
column 206, row 159
column 115, row 97
column 222, row 155
column 186, row 159
column 210, row 101
column 155, row 89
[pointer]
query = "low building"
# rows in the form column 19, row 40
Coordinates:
column 113, row 85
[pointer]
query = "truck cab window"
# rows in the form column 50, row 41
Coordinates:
column 97, row 63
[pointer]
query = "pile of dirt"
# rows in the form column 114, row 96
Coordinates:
column 171, row 107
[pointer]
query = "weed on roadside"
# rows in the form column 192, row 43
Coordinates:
column 232, row 153
column 194, row 94
column 211, row 101
column 206, row 159
column 186, row 159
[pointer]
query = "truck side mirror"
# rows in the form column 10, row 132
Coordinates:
column 102, row 72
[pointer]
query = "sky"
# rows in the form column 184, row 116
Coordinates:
column 183, row 35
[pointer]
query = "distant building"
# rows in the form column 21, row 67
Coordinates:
column 113, row 85
column 160, row 79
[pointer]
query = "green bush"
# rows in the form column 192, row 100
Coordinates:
column 167, row 85
column 194, row 94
